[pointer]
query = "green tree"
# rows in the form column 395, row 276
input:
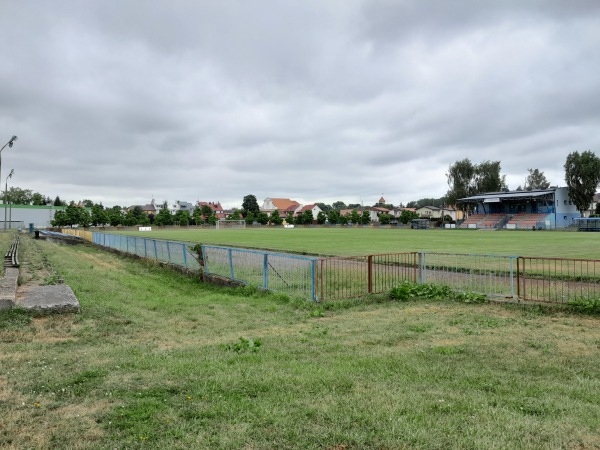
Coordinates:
column 338, row 206
column 85, row 218
column 235, row 215
column 333, row 216
column 342, row 220
column 321, row 218
column 87, row 203
column 324, row 207
column 262, row 218
column 72, row 214
column 99, row 216
column 275, row 218
column 163, row 218
column 38, row 199
column 290, row 218
column 250, row 205
column 182, row 218
column 365, row 218
column 385, row 219
column 58, row 202
column 249, row 218
column 212, row 219
column 582, row 175
column 115, row 216
column 354, row 217
column 197, row 216
column 466, row 179
column 307, row 217
column 18, row 196
column 406, row 216
column 536, row 180
column 59, row 220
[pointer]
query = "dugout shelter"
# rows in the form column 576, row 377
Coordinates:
column 536, row 209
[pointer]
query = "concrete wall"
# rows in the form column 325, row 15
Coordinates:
column 39, row 216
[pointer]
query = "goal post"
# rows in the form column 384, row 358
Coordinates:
column 230, row 224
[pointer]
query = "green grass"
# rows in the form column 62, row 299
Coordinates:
column 158, row 360
column 363, row 241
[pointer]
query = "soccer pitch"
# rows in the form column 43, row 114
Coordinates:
column 363, row 241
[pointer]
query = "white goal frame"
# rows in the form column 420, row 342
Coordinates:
column 230, row 224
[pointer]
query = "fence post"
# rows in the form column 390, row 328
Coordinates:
column 422, row 268
column 266, row 271
column 204, row 261
column 370, row 274
column 184, row 248
column 231, row 271
column 512, row 278
column 168, row 252
column 314, row 279
column 155, row 251
column 145, row 249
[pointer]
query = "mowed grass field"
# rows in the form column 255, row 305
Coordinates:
column 155, row 360
column 363, row 241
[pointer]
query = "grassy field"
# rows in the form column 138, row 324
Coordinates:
column 363, row 241
column 155, row 360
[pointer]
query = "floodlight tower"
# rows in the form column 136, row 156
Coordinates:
column 9, row 144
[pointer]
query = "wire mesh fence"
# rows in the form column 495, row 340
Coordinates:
column 173, row 252
column 491, row 275
column 279, row 272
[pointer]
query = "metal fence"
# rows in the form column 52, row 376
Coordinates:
column 558, row 280
column 279, row 272
column 173, row 252
column 553, row 280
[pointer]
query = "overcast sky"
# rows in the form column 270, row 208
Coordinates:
column 124, row 101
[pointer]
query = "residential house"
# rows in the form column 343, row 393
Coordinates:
column 313, row 208
column 181, row 206
column 215, row 207
column 283, row 205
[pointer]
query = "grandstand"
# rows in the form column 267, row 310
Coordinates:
column 536, row 209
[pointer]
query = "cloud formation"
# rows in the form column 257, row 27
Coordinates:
column 317, row 101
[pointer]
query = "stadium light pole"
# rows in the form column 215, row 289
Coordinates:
column 10, row 144
column 6, row 193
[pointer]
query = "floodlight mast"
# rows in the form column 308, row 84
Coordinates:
column 10, row 144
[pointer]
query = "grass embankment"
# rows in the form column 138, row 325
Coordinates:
column 364, row 241
column 155, row 360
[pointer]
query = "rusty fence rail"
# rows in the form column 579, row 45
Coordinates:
column 558, row 280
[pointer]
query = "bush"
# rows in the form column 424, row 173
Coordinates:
column 406, row 291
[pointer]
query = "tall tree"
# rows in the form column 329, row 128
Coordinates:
column 582, row 175
column 250, row 205
column 59, row 202
column 338, row 206
column 324, row 207
column 321, row 218
column 18, row 196
column 38, row 199
column 99, row 216
column 536, row 180
column 275, row 218
column 466, row 179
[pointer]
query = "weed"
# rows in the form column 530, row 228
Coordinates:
column 245, row 345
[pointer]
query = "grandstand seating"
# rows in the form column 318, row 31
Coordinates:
column 526, row 221
column 483, row 220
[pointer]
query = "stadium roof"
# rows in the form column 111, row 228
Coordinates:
column 495, row 197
